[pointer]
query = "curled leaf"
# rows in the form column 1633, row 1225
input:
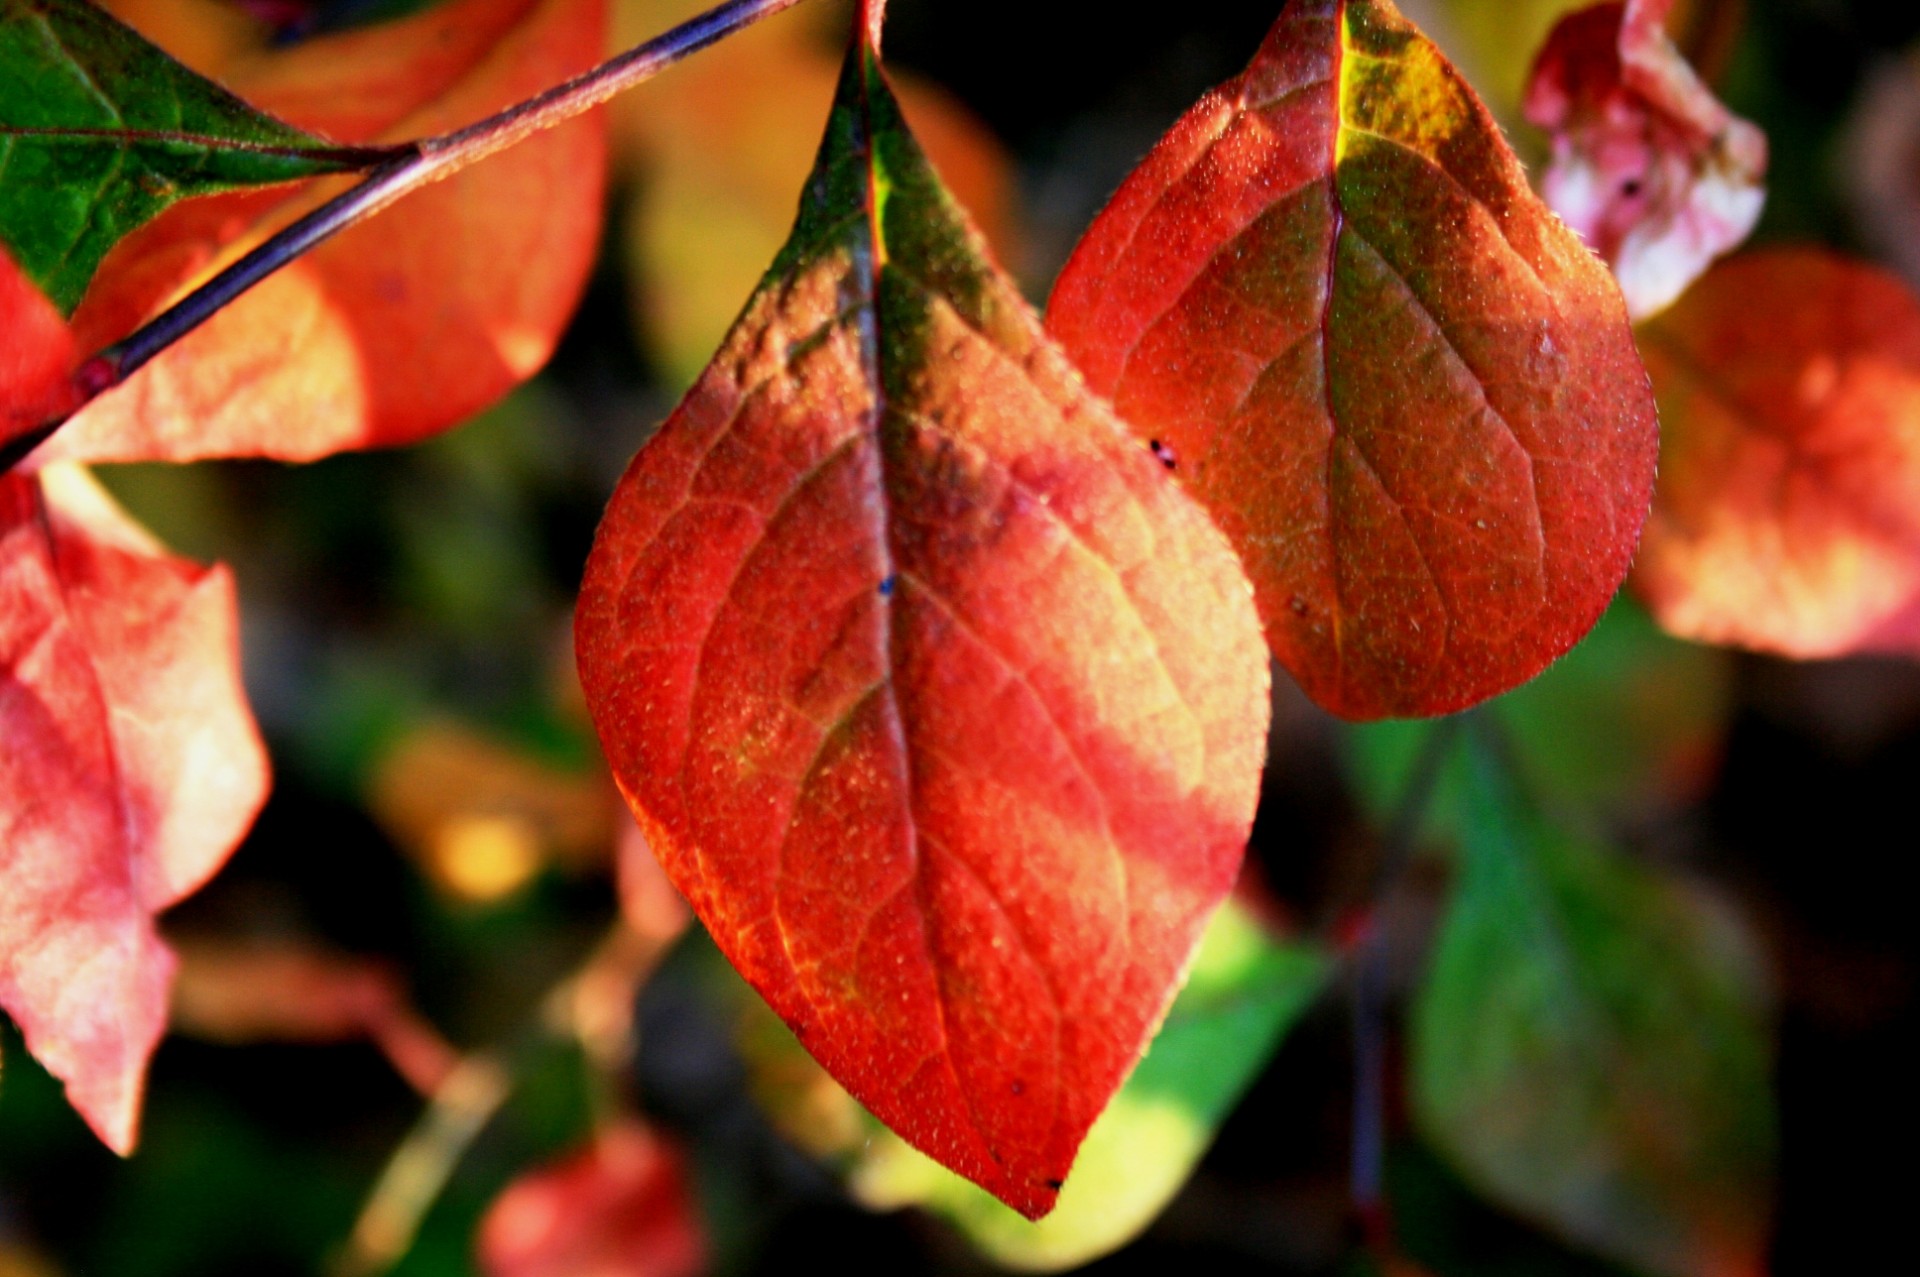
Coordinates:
column 1786, row 519
column 941, row 703
column 399, row 327
column 1407, row 393
column 1652, row 171
column 131, row 768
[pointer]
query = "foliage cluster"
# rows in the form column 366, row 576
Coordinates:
column 927, row 640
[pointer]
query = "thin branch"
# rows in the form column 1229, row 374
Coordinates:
column 417, row 164
column 1370, row 991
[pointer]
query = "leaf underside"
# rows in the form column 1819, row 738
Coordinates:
column 1406, row 392
column 100, row 132
column 936, row 697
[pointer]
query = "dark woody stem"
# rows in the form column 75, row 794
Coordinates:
column 412, row 165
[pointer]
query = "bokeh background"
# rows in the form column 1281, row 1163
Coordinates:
column 440, row 842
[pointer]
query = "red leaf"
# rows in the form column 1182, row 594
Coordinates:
column 131, row 768
column 618, row 1208
column 1406, row 392
column 936, row 697
column 36, row 353
column 1786, row 517
column 1648, row 166
column 400, row 327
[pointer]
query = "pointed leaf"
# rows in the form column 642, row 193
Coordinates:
column 131, row 768
column 1244, row 993
column 402, row 326
column 100, row 132
column 937, row 698
column 1405, row 390
column 720, row 146
column 1589, row 1048
column 1786, row 518
column 1648, row 167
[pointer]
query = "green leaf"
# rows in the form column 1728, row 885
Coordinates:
column 1243, row 994
column 100, row 132
column 1590, row 1047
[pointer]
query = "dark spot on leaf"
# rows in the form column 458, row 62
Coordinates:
column 886, row 587
column 1297, row 605
column 1163, row 454
column 1056, row 1183
column 1630, row 187
column 1019, row 1088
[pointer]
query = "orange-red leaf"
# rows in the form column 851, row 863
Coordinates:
column 36, row 352
column 1787, row 516
column 1648, row 166
column 130, row 769
column 1406, row 392
column 618, row 1208
column 402, row 326
column 933, row 693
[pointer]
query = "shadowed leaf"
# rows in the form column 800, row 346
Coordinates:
column 1786, row 518
column 936, row 697
column 1406, row 392
column 130, row 770
column 720, row 146
column 1589, row 1048
column 100, row 132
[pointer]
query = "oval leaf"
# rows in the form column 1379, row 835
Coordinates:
column 402, row 326
column 935, row 696
column 1406, row 392
column 1590, row 1046
column 1786, row 518
column 100, row 132
column 130, row 769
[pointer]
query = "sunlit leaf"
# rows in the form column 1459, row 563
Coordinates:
column 1243, row 994
column 399, row 327
column 131, row 768
column 1407, row 393
column 1648, row 166
column 1786, row 517
column 936, row 697
column 100, row 132
column 1590, row 1047
column 618, row 1208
